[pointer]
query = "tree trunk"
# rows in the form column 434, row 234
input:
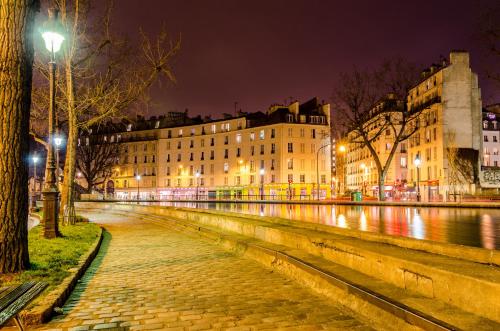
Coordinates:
column 381, row 185
column 16, row 63
column 67, row 194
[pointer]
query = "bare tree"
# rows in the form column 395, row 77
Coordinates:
column 16, row 60
column 372, row 103
column 462, row 165
column 102, row 74
column 489, row 35
column 95, row 161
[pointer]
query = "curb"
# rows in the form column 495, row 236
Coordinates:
column 43, row 311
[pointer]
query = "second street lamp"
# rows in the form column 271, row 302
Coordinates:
column 53, row 40
column 197, row 183
column 138, row 177
column 33, row 193
column 417, row 162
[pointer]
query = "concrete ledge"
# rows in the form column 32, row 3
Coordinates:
column 44, row 309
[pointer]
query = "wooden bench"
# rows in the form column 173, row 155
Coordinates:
column 14, row 298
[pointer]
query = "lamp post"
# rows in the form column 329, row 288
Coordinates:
column 33, row 198
column 363, row 188
column 53, row 41
column 262, row 172
column 58, row 141
column 417, row 162
column 197, row 175
column 138, row 178
column 317, row 167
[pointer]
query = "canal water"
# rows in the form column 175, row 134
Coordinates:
column 464, row 226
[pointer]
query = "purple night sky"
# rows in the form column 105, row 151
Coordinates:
column 262, row 52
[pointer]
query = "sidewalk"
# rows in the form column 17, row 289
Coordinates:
column 149, row 277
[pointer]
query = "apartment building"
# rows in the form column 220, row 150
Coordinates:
column 271, row 155
column 450, row 100
column 491, row 136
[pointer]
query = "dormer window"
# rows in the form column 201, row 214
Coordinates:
column 157, row 124
column 180, row 132
column 129, row 127
column 289, row 118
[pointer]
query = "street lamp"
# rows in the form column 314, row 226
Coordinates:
column 365, row 169
column 33, row 199
column 58, row 141
column 417, row 162
column 262, row 172
column 53, row 40
column 317, row 167
column 197, row 175
column 138, row 177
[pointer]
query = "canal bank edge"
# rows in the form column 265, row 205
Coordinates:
column 44, row 309
column 486, row 205
column 468, row 253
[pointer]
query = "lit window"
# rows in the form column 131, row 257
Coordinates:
column 261, row 134
column 238, row 138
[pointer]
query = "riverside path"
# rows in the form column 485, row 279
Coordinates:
column 150, row 277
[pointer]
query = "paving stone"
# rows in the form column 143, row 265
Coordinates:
column 150, row 277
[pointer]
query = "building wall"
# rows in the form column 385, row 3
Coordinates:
column 239, row 153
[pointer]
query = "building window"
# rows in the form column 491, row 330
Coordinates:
column 261, row 149
column 168, row 157
column 238, row 152
column 252, row 136
column 289, row 118
column 237, row 180
column 226, row 153
column 135, row 159
column 193, row 131
column 214, row 128
column 168, row 171
column 238, row 138
column 153, row 159
column 290, row 178
column 179, row 157
column 180, row 132
column 202, row 157
column 290, row 132
column 485, row 138
column 226, row 140
column 262, row 135
column 252, row 179
column 226, row 167
column 252, row 150
column 302, row 178
column 190, row 156
column 145, row 159
column 191, row 144
column 273, row 133
column 273, row 148
column 212, row 141
column 313, row 133
column 290, row 164
column 403, row 162
column 179, row 144
column 302, row 118
column 290, row 147
column 212, row 155
column 495, row 139
column 202, row 143
column 323, row 179
column 202, row 169
column 272, row 164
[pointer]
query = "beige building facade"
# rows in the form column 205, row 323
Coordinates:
column 449, row 99
column 272, row 155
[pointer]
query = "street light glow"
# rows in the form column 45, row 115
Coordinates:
column 342, row 149
column 58, row 141
column 262, row 171
column 138, row 177
column 53, row 41
column 417, row 162
column 35, row 159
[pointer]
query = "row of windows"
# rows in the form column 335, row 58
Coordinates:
column 494, row 139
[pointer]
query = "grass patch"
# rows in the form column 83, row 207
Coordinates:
column 52, row 259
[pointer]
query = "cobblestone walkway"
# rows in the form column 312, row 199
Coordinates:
column 148, row 277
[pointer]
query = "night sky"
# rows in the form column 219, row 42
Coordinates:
column 260, row 52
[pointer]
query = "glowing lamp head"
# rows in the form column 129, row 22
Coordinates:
column 138, row 177
column 58, row 141
column 79, row 174
column 35, row 159
column 417, row 162
column 342, row 149
column 262, row 171
column 197, row 174
column 362, row 165
column 52, row 32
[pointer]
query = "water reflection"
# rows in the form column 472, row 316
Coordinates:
column 464, row 226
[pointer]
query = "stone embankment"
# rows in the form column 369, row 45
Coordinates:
column 396, row 283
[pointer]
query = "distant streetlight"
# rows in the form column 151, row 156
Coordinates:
column 53, row 40
column 262, row 172
column 417, row 162
column 197, row 175
column 33, row 199
column 317, row 167
column 138, row 178
column 58, row 141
